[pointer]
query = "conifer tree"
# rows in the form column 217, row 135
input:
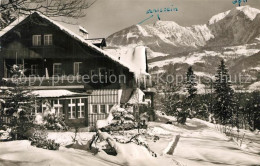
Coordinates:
column 252, row 111
column 223, row 108
column 19, row 102
column 191, row 84
column 191, row 88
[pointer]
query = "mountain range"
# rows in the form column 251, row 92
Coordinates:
column 233, row 35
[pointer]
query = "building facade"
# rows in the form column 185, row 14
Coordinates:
column 68, row 72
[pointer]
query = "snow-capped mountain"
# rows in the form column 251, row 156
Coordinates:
column 234, row 27
column 162, row 36
column 233, row 35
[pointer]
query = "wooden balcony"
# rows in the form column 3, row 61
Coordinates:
column 36, row 82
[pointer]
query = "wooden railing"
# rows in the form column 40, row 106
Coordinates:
column 62, row 81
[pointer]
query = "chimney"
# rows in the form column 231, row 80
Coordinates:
column 83, row 32
column 139, row 59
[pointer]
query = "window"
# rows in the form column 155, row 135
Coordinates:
column 94, row 76
column 36, row 107
column 72, row 109
column 102, row 109
column 93, row 73
column 37, row 40
column 77, row 68
column 44, row 107
column 58, row 107
column 48, row 39
column 111, row 75
column 81, row 108
column 57, row 69
column 34, row 69
column 94, row 109
column 102, row 71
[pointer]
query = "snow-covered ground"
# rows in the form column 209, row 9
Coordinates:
column 227, row 53
column 200, row 144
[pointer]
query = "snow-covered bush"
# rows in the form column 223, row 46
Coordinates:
column 5, row 133
column 55, row 122
column 118, row 119
column 103, row 141
column 44, row 143
column 50, row 120
column 39, row 139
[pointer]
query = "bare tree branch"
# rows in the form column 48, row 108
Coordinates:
column 50, row 8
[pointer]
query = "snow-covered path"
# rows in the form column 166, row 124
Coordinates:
column 200, row 144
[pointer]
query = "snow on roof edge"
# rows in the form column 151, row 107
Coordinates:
column 54, row 93
column 12, row 25
column 83, row 29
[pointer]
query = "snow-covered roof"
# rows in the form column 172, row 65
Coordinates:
column 54, row 93
column 12, row 25
column 137, row 97
column 76, row 37
column 96, row 40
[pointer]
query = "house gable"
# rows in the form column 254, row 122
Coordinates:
column 73, row 35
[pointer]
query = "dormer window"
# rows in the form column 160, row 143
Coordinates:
column 48, row 39
column 36, row 40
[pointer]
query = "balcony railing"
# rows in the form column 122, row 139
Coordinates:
column 57, row 81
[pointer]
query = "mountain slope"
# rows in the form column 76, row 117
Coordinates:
column 162, row 36
column 233, row 35
column 238, row 26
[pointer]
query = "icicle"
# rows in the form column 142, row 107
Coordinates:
column 144, row 81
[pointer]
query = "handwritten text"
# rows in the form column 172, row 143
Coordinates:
column 239, row 2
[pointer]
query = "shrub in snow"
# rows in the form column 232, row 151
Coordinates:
column 5, row 133
column 118, row 119
column 114, row 146
column 54, row 122
column 39, row 139
column 39, row 119
column 45, row 143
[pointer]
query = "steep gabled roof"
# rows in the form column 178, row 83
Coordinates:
column 74, row 36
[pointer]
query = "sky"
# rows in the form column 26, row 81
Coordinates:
column 106, row 17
